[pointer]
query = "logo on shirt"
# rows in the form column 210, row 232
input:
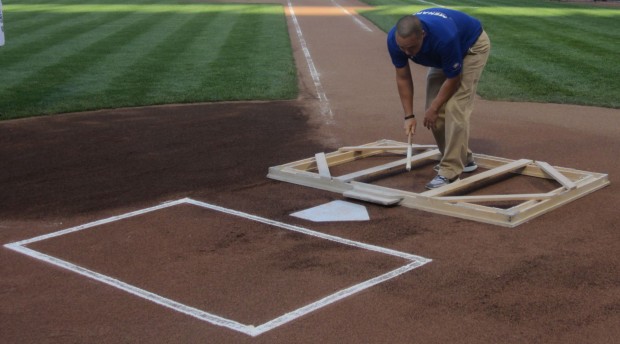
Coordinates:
column 456, row 66
column 434, row 13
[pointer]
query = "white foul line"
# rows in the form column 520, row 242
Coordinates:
column 356, row 19
column 431, row 3
column 324, row 102
column 414, row 262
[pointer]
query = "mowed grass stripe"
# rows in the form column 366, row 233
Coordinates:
column 101, row 81
column 549, row 56
column 77, row 39
column 183, row 80
column 144, row 75
column 24, row 24
column 37, row 90
column 541, row 51
column 560, row 29
column 134, row 86
column 125, row 61
column 523, row 82
column 238, row 58
column 91, row 87
column 62, row 29
column 231, row 63
column 282, row 65
column 563, row 51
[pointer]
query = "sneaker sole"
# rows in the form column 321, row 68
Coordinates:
column 466, row 169
column 437, row 187
column 469, row 169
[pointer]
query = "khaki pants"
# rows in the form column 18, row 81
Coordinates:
column 452, row 126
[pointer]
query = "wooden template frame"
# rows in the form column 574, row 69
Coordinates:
column 315, row 172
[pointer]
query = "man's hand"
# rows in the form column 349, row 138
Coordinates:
column 430, row 117
column 410, row 125
column 447, row 90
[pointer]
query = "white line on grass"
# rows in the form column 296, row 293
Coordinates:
column 356, row 19
column 431, row 3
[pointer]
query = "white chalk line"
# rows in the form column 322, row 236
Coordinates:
column 160, row 300
column 326, row 110
column 415, row 261
column 336, row 297
column 438, row 5
column 97, row 223
column 356, row 19
column 309, row 232
column 431, row 3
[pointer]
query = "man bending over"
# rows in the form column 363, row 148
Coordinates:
column 456, row 48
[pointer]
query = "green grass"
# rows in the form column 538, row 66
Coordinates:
column 542, row 51
column 68, row 55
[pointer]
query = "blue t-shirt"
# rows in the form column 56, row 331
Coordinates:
column 449, row 34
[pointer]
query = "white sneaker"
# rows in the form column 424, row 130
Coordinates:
column 470, row 167
column 439, row 181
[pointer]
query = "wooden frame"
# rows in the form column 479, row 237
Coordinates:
column 446, row 200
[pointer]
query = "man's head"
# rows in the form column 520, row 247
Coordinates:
column 409, row 34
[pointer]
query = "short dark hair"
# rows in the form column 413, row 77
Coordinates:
column 409, row 25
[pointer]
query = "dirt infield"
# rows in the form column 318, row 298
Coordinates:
column 555, row 279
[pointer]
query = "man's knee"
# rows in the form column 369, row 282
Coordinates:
column 458, row 112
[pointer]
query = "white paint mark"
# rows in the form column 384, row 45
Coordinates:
column 100, row 222
column 326, row 110
column 336, row 297
column 160, row 300
column 431, row 3
column 414, row 262
column 356, row 19
column 334, row 211
column 309, row 232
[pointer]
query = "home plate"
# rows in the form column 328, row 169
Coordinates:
column 334, row 211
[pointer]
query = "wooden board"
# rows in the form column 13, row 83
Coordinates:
column 321, row 162
column 314, row 172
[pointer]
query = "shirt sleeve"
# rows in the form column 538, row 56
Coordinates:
column 399, row 58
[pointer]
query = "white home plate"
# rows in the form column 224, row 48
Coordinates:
column 334, row 211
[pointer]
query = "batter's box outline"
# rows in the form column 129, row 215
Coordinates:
column 251, row 330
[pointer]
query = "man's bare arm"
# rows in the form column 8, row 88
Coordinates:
column 405, row 91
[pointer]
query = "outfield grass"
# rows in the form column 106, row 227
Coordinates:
column 71, row 55
column 68, row 55
column 542, row 51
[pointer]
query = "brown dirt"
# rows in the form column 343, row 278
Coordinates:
column 552, row 280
